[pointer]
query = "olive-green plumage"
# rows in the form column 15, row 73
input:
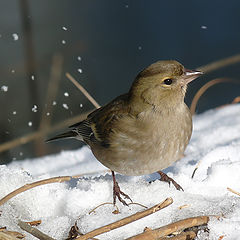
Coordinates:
column 146, row 129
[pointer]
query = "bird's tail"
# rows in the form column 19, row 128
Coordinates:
column 70, row 134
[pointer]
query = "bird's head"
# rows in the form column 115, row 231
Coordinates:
column 163, row 82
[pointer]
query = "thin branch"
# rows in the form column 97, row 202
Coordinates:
column 126, row 220
column 42, row 182
column 171, row 228
column 52, row 90
column 53, row 85
column 6, row 236
column 210, row 67
column 83, row 90
column 33, row 185
column 33, row 231
column 204, row 88
column 41, row 133
column 236, row 100
column 233, row 191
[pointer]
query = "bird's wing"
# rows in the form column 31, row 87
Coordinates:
column 98, row 124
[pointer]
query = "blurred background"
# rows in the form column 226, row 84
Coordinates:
column 103, row 44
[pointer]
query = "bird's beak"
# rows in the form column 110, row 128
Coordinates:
column 190, row 75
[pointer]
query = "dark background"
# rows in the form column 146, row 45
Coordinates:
column 115, row 40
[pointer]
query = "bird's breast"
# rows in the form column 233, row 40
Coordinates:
column 150, row 142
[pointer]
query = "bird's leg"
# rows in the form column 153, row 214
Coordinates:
column 166, row 178
column 117, row 192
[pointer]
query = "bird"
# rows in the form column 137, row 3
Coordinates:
column 144, row 130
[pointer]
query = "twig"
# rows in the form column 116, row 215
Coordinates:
column 210, row 67
column 41, row 133
column 5, row 236
column 34, row 223
column 102, row 204
column 32, row 185
column 52, row 89
column 204, row 88
column 42, row 182
column 233, row 191
column 33, row 231
column 171, row 228
column 83, row 90
column 126, row 220
column 236, row 100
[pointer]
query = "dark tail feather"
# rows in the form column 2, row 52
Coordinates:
column 69, row 134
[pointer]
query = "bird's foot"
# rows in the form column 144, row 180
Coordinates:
column 117, row 192
column 166, row 178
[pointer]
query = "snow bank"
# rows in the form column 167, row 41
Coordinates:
column 215, row 142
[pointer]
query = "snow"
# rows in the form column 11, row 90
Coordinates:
column 65, row 106
column 34, row 108
column 79, row 70
column 29, row 124
column 215, row 143
column 4, row 88
column 64, row 28
column 15, row 36
column 66, row 94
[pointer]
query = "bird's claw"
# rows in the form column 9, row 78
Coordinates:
column 166, row 178
column 117, row 194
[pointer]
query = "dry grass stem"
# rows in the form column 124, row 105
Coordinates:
column 41, row 133
column 42, row 182
column 53, row 85
column 210, row 67
column 139, row 204
column 204, row 88
column 83, row 90
column 10, row 234
column 171, row 228
column 126, row 220
column 102, row 204
column 33, row 185
column 33, row 231
column 184, row 206
column 233, row 191
column 6, row 236
column 34, row 223
column 236, row 100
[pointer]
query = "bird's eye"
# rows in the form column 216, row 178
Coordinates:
column 168, row 81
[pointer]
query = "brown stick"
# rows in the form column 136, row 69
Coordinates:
column 32, row 185
column 41, row 133
column 42, row 182
column 52, row 90
column 233, row 191
column 204, row 88
column 33, row 231
column 46, row 116
column 170, row 228
column 83, row 90
column 6, row 236
column 126, row 220
column 210, row 67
